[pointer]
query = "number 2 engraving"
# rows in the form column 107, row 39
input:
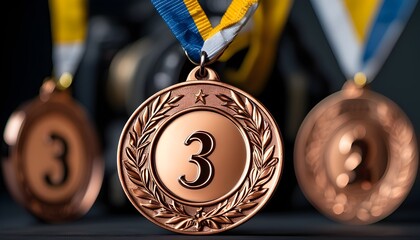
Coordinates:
column 204, row 166
column 62, row 157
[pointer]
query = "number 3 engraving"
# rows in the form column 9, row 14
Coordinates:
column 205, row 167
column 62, row 156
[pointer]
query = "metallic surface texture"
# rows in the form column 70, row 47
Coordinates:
column 356, row 156
column 200, row 157
column 54, row 168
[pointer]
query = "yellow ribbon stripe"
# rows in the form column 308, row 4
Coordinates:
column 68, row 20
column 261, row 41
column 235, row 12
column 362, row 14
column 199, row 16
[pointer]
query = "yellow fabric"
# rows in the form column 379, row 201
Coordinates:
column 68, row 20
column 268, row 23
column 235, row 12
column 362, row 13
column 199, row 16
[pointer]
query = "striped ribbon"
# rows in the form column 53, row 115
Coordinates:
column 362, row 33
column 260, row 43
column 191, row 26
column 68, row 26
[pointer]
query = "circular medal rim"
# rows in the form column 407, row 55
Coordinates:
column 172, row 118
column 300, row 165
column 276, row 177
column 33, row 110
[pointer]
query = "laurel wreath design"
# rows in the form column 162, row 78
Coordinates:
column 263, row 167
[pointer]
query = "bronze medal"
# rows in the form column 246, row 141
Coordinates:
column 200, row 157
column 54, row 167
column 356, row 156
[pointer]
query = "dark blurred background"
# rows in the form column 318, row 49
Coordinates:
column 130, row 54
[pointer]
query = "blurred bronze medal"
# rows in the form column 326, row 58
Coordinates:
column 356, row 156
column 54, row 167
column 200, row 157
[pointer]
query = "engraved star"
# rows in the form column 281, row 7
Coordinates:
column 200, row 96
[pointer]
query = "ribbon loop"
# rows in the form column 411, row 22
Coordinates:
column 191, row 26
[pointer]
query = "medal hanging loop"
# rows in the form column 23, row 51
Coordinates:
column 202, row 73
column 360, row 79
column 191, row 26
column 68, row 24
